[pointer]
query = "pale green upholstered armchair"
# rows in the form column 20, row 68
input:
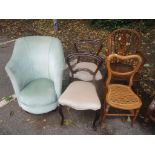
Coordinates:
column 36, row 72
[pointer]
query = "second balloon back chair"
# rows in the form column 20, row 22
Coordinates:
column 120, row 96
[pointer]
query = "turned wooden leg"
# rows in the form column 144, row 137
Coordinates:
column 97, row 115
column 61, row 114
column 135, row 116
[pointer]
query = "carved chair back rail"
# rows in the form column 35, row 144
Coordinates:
column 131, row 73
column 84, row 55
column 89, row 43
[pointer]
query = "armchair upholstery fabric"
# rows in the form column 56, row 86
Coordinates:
column 36, row 68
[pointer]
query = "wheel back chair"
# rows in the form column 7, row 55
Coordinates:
column 124, row 42
column 82, row 95
column 86, row 46
column 120, row 96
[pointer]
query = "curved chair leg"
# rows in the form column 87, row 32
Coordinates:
column 97, row 115
column 135, row 116
column 61, row 114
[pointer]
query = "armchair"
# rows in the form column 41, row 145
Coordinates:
column 36, row 71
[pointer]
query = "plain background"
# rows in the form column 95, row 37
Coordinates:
column 77, row 9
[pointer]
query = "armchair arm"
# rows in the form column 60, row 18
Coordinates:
column 15, row 83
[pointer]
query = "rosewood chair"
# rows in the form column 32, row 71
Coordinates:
column 121, row 96
column 91, row 47
column 82, row 95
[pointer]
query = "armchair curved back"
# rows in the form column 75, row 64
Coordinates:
column 36, row 57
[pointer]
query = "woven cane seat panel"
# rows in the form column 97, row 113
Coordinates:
column 122, row 97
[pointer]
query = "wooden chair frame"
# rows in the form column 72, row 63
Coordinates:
column 100, row 62
column 116, row 73
column 114, row 40
column 92, row 42
column 134, row 112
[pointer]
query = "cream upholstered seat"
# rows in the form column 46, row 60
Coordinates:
column 80, row 95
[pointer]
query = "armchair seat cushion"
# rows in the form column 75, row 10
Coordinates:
column 80, row 95
column 38, row 92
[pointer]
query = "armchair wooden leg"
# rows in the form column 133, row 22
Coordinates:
column 104, row 115
column 97, row 115
column 61, row 114
column 135, row 116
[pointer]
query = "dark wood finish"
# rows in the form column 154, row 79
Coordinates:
column 99, row 65
column 97, row 115
column 61, row 114
column 93, row 46
column 72, row 56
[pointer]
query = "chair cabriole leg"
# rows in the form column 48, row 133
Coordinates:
column 105, row 114
column 97, row 115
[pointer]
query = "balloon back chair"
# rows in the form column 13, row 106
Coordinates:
column 120, row 96
column 36, row 71
column 82, row 95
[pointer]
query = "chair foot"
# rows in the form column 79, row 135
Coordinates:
column 97, row 115
column 102, row 125
column 146, row 120
column 135, row 116
column 61, row 114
